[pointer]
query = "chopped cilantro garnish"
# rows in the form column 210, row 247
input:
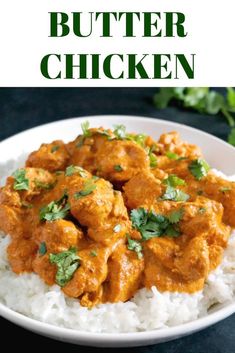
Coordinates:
column 40, row 185
column 67, row 263
column 85, row 129
column 151, row 224
column 135, row 245
column 93, row 253
column 54, row 148
column 89, row 187
column 139, row 139
column 21, row 182
column 118, row 168
column 117, row 228
column 172, row 155
column 225, row 189
column 55, row 210
column 176, row 216
column 173, row 194
column 120, row 132
column 42, row 248
column 70, row 170
column 199, row 168
column 202, row 210
column 173, row 180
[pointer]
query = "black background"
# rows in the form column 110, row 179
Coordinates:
column 22, row 108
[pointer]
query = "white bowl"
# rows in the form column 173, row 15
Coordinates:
column 219, row 154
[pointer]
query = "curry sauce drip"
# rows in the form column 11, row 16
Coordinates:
column 70, row 215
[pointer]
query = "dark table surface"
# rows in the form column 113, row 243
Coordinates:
column 21, row 109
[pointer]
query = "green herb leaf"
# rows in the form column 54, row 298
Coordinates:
column 54, row 148
column 151, row 224
column 202, row 210
column 138, row 138
column 199, row 168
column 118, row 168
column 41, row 185
column 225, row 189
column 93, row 253
column 71, row 170
column 173, row 194
column 42, row 249
column 135, row 245
column 67, row 263
column 173, row 180
column 21, row 182
column 176, row 216
column 85, row 129
column 117, row 228
column 231, row 97
column 231, row 137
column 172, row 155
column 55, row 210
column 89, row 187
column 120, row 132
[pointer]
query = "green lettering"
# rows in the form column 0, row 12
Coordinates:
column 107, row 66
column 189, row 70
column 134, row 67
column 158, row 65
column 44, row 66
column 148, row 24
column 106, row 16
column 70, row 66
column 178, row 23
column 55, row 23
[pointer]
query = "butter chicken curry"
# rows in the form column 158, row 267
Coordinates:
column 111, row 212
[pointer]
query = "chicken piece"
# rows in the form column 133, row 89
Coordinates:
column 142, row 190
column 58, row 235
column 118, row 161
column 36, row 180
column 42, row 266
column 171, row 142
column 8, row 196
column 222, row 191
column 52, row 156
column 11, row 221
column 91, row 200
column 21, row 253
column 171, row 268
column 92, row 272
column 125, row 274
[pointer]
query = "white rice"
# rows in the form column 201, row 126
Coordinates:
column 148, row 310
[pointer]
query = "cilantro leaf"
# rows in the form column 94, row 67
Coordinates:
column 85, row 129
column 151, row 224
column 21, row 182
column 89, row 187
column 199, row 168
column 42, row 249
column 93, row 253
column 173, row 180
column 139, row 139
column 120, row 132
column 55, row 210
column 225, row 189
column 67, row 263
column 135, row 245
column 71, row 170
column 172, row 155
column 176, row 216
column 173, row 194
column 118, row 168
column 231, row 137
column 54, row 148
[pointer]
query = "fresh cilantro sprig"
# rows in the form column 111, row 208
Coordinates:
column 173, row 180
column 173, row 194
column 67, row 263
column 73, row 169
column 85, row 129
column 199, row 168
column 135, row 245
column 55, row 210
column 21, row 182
column 151, row 225
column 88, row 188
column 201, row 99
